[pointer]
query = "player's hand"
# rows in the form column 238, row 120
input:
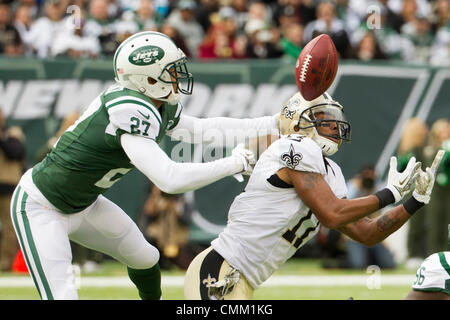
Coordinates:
column 425, row 180
column 400, row 183
column 246, row 157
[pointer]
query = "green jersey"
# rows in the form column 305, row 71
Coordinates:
column 88, row 158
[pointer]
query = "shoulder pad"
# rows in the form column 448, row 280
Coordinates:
column 135, row 116
column 300, row 153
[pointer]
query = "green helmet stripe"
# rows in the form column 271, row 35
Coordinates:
column 131, row 38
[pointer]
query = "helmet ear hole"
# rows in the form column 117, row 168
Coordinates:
column 150, row 80
column 296, row 128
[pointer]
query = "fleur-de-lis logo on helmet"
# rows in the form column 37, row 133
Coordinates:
column 289, row 113
column 291, row 158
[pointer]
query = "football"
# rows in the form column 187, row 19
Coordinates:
column 316, row 67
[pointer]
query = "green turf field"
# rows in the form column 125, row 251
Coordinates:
column 295, row 267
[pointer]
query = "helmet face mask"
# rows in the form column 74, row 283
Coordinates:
column 177, row 73
column 321, row 119
column 329, row 115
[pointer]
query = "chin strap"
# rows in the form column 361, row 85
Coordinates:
column 328, row 147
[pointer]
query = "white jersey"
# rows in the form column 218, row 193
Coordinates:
column 268, row 222
column 434, row 273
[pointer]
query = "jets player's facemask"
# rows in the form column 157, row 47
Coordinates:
column 178, row 74
column 328, row 119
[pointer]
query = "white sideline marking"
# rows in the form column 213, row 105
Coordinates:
column 177, row 281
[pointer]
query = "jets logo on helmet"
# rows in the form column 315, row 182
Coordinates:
column 149, row 62
column 146, row 55
column 307, row 117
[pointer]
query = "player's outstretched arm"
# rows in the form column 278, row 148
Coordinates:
column 174, row 177
column 331, row 211
column 372, row 231
column 335, row 213
column 197, row 130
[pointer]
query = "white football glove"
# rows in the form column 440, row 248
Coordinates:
column 246, row 157
column 425, row 180
column 400, row 183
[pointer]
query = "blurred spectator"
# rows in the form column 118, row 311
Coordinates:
column 258, row 10
column 162, row 7
column 438, row 211
column 440, row 51
column 440, row 15
column 359, row 256
column 32, row 5
column 298, row 11
column 218, row 43
column 99, row 24
column 360, row 7
column 292, row 40
column 412, row 143
column 240, row 8
column 12, row 165
column 129, row 5
column 167, row 227
column 183, row 19
column 440, row 19
column 22, row 22
column 393, row 20
column 264, row 41
column 286, row 14
column 346, row 14
column 422, row 7
column 173, row 34
column 125, row 27
column 391, row 43
column 206, row 13
column 45, row 29
column 369, row 49
column 409, row 11
column 418, row 31
column 10, row 40
column 408, row 30
column 327, row 22
column 146, row 17
column 333, row 248
column 75, row 43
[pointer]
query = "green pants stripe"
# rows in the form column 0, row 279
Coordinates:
column 28, row 245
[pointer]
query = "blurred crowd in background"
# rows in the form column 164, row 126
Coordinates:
column 416, row 31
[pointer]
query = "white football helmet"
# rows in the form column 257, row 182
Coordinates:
column 151, row 63
column 306, row 117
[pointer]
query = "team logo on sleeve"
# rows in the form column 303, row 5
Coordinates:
column 291, row 158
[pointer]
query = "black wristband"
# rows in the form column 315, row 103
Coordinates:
column 385, row 197
column 412, row 205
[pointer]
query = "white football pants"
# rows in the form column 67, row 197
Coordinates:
column 44, row 235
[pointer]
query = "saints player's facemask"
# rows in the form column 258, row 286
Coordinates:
column 179, row 75
column 326, row 115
